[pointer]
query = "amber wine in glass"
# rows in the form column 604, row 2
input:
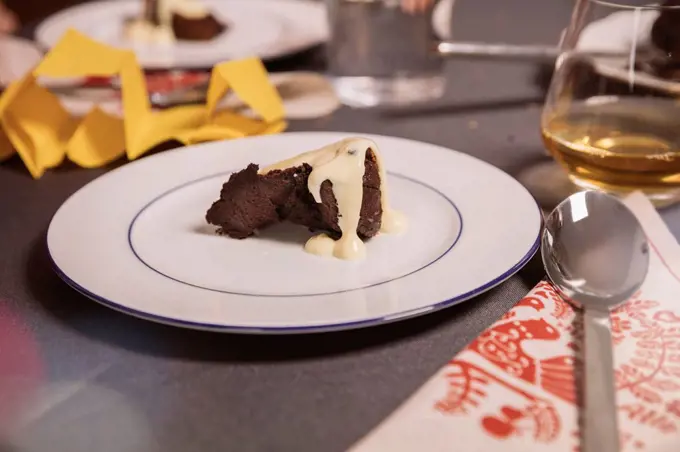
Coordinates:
column 614, row 122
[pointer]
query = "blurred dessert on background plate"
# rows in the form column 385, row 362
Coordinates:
column 168, row 21
column 666, row 37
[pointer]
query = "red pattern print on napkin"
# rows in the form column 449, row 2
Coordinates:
column 528, row 415
column 648, row 379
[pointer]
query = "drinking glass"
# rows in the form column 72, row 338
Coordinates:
column 380, row 54
column 612, row 114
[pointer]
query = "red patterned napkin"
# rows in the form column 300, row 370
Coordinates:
column 512, row 389
column 157, row 82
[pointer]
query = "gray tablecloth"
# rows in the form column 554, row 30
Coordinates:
column 199, row 391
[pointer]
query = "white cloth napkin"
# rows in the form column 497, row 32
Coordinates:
column 512, row 389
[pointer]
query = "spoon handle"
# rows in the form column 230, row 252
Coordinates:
column 601, row 430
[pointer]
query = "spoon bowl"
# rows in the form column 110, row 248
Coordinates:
column 594, row 250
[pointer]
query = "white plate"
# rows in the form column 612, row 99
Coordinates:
column 262, row 28
column 19, row 56
column 136, row 240
column 623, row 32
column 441, row 19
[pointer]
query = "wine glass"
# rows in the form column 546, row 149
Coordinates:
column 612, row 114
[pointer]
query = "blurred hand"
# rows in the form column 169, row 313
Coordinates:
column 416, row 6
column 8, row 20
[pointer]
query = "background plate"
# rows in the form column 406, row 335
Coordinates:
column 262, row 28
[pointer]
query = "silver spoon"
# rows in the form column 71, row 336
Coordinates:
column 596, row 255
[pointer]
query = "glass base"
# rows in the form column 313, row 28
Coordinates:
column 365, row 92
column 659, row 197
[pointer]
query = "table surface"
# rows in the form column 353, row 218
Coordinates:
column 151, row 387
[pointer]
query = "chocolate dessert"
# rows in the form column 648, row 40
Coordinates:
column 327, row 190
column 199, row 29
column 666, row 29
column 666, row 37
column 165, row 21
column 250, row 201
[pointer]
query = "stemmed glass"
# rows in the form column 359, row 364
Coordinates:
column 612, row 115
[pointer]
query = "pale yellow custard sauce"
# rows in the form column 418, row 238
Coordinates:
column 342, row 164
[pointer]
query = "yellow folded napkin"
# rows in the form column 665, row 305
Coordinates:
column 35, row 124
